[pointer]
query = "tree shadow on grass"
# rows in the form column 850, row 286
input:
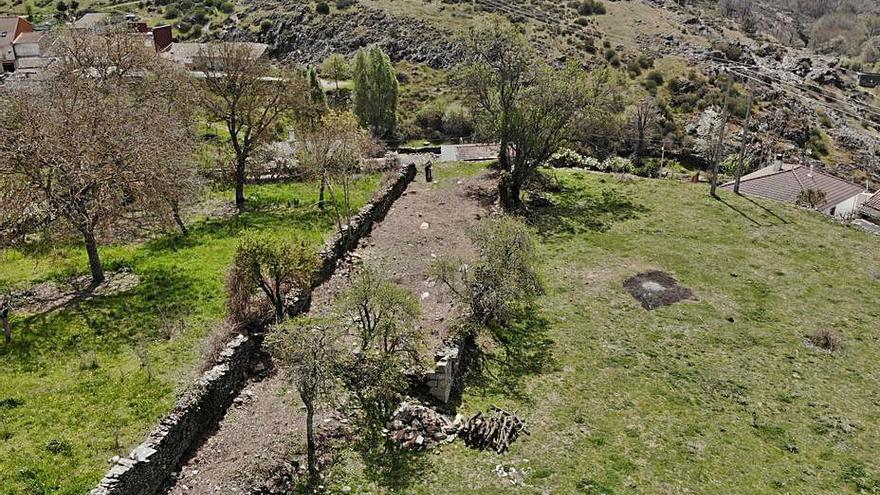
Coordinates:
column 522, row 350
column 388, row 464
column 394, row 468
column 106, row 323
column 577, row 210
column 305, row 219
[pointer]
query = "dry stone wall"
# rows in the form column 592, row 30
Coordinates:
column 146, row 470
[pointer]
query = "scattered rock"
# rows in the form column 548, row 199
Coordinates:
column 418, row 427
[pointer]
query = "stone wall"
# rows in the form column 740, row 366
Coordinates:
column 440, row 382
column 445, row 383
column 146, row 470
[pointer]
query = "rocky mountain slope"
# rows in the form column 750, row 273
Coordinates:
column 806, row 100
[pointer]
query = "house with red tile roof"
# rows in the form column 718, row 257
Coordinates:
column 11, row 27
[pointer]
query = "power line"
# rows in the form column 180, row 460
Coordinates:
column 793, row 93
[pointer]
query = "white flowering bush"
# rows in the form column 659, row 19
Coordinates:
column 566, row 158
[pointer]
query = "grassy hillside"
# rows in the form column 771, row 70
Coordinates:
column 720, row 395
column 75, row 391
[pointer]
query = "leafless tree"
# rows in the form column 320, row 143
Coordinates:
column 331, row 150
column 643, row 121
column 105, row 138
column 242, row 91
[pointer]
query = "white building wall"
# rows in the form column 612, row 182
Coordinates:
column 851, row 206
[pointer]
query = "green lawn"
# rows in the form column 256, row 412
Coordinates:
column 72, row 385
column 720, row 395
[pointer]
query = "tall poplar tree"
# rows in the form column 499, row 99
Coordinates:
column 316, row 92
column 375, row 91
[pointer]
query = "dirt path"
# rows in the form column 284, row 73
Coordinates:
column 265, row 426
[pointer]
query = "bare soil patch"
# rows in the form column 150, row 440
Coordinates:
column 654, row 289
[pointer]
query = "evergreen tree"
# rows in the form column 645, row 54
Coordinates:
column 316, row 92
column 375, row 91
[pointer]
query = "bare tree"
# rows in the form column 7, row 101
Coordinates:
column 307, row 348
column 243, row 92
column 103, row 139
column 331, row 150
column 643, row 121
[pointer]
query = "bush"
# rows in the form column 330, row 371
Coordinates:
column 226, row 7
column 591, row 7
column 457, row 121
column 430, row 117
column 618, row 165
column 828, row 340
column 277, row 268
column 811, row 198
column 656, row 76
column 503, row 283
column 322, row 8
column 633, row 68
column 344, row 4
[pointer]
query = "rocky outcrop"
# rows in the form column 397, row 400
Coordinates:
column 304, row 36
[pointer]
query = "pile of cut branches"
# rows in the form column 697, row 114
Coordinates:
column 496, row 431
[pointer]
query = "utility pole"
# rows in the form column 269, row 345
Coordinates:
column 720, row 144
column 745, row 138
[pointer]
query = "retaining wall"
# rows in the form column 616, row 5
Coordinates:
column 148, row 467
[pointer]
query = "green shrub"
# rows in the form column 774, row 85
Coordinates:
column 591, row 7
column 322, row 8
column 656, row 76
column 618, row 165
column 430, row 118
column 457, row 120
